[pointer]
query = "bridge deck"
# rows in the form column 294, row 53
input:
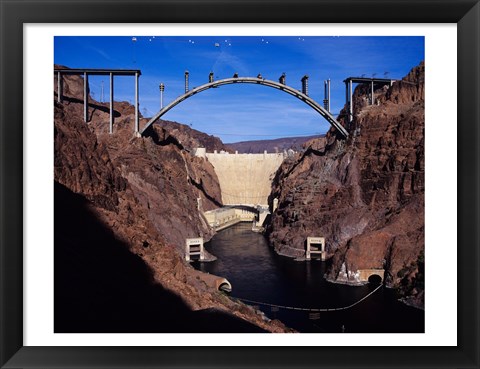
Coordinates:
column 99, row 71
column 369, row 80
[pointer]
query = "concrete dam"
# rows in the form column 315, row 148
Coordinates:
column 245, row 179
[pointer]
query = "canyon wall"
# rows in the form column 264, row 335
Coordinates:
column 123, row 208
column 365, row 195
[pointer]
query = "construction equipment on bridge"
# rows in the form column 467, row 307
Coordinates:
column 305, row 85
column 186, row 81
column 162, row 88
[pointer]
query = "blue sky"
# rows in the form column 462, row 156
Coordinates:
column 239, row 112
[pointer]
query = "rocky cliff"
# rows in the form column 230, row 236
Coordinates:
column 190, row 138
column 364, row 194
column 171, row 184
column 123, row 208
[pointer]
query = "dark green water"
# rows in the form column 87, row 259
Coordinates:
column 257, row 273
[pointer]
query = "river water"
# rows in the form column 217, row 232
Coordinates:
column 257, row 273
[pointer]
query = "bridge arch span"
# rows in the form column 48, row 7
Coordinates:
column 251, row 80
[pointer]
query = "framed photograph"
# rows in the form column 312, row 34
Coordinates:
column 111, row 286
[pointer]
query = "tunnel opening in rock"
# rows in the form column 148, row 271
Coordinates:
column 225, row 287
column 375, row 279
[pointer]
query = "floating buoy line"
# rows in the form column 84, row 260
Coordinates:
column 311, row 310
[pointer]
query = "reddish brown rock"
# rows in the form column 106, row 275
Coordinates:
column 166, row 179
column 365, row 194
column 274, row 145
column 191, row 138
column 143, row 193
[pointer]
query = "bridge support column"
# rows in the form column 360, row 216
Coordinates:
column 186, row 81
column 350, row 115
column 372, row 100
column 136, row 104
column 328, row 96
column 111, row 103
column 346, row 92
column 315, row 246
column 162, row 88
column 326, row 100
column 305, row 85
column 59, row 87
column 85, row 96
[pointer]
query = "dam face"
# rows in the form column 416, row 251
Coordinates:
column 245, row 179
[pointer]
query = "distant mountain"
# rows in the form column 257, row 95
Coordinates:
column 276, row 145
column 191, row 138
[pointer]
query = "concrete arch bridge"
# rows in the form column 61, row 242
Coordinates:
column 251, row 80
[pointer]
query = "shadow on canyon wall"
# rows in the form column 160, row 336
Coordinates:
column 91, row 106
column 102, row 287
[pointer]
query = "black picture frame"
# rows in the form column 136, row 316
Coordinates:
column 14, row 13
